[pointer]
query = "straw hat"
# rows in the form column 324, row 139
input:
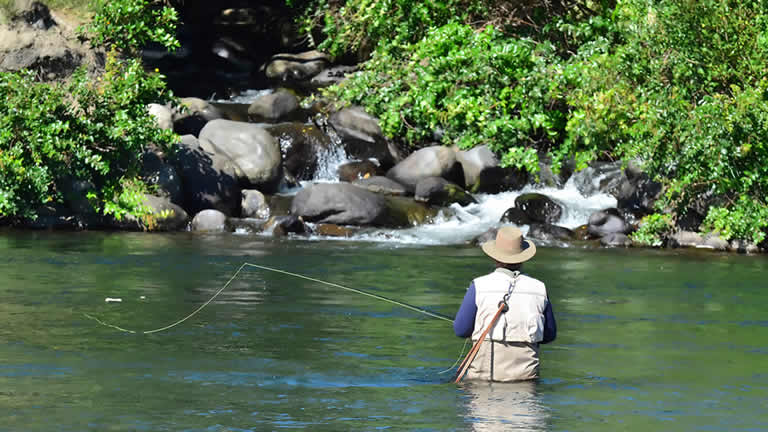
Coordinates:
column 509, row 246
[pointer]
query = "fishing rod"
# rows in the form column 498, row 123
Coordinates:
column 244, row 265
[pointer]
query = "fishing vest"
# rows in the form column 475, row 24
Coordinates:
column 524, row 321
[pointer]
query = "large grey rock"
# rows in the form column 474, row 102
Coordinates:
column 685, row 239
column 440, row 192
column 296, row 67
column 361, row 135
column 208, row 179
column 254, row 205
column 743, row 246
column 193, row 115
column 281, row 105
column 539, row 208
column 404, row 212
column 435, row 161
column 483, row 174
column 303, row 148
column 253, row 151
column 715, row 242
column 382, row 185
column 210, row 221
column 331, row 76
column 162, row 175
column 604, row 222
column 339, row 203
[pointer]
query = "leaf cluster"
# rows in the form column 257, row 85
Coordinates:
column 89, row 130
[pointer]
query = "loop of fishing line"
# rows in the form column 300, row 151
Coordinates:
column 234, row 276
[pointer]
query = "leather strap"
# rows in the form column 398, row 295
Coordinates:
column 473, row 352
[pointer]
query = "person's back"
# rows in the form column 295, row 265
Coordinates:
column 510, row 350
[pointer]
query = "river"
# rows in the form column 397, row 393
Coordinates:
column 648, row 340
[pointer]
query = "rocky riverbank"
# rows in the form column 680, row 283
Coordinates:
column 263, row 167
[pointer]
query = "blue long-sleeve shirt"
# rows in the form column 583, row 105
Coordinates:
column 464, row 323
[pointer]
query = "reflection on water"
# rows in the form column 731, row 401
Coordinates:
column 506, row 406
column 648, row 340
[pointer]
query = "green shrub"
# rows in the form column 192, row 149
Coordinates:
column 746, row 219
column 128, row 25
column 653, row 228
column 475, row 87
column 83, row 129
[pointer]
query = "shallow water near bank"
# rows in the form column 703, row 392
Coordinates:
column 647, row 339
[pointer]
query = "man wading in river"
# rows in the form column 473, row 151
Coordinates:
column 509, row 350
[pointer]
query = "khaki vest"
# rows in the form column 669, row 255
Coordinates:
column 524, row 321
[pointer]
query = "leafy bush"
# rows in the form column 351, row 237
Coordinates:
column 746, row 219
column 471, row 87
column 89, row 130
column 128, row 25
column 653, row 228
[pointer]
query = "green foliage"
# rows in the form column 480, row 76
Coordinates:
column 475, row 87
column 128, row 25
column 653, row 228
column 746, row 219
column 90, row 130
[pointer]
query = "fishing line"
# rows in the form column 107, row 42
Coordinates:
column 234, row 276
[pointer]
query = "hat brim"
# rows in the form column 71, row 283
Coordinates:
column 492, row 251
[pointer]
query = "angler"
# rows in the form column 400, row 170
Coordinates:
column 507, row 314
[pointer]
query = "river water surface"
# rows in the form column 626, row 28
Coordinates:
column 648, row 340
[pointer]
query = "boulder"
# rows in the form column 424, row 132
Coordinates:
column 539, row 208
column 638, row 194
column 164, row 215
column 193, row 115
column 281, row 105
column 600, row 177
column 331, row 76
column 616, row 240
column 156, row 172
column 381, row 185
column 75, row 192
column 604, row 222
column 715, row 242
column 253, row 151
column 515, row 216
column 361, row 135
column 296, row 67
column 549, row 232
column 685, row 239
column 208, row 179
column 254, row 205
column 339, row 203
column 51, row 216
column 210, row 221
column 162, row 114
column 355, row 170
column 482, row 173
column 404, row 212
column 440, row 192
column 435, row 161
column 302, row 147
